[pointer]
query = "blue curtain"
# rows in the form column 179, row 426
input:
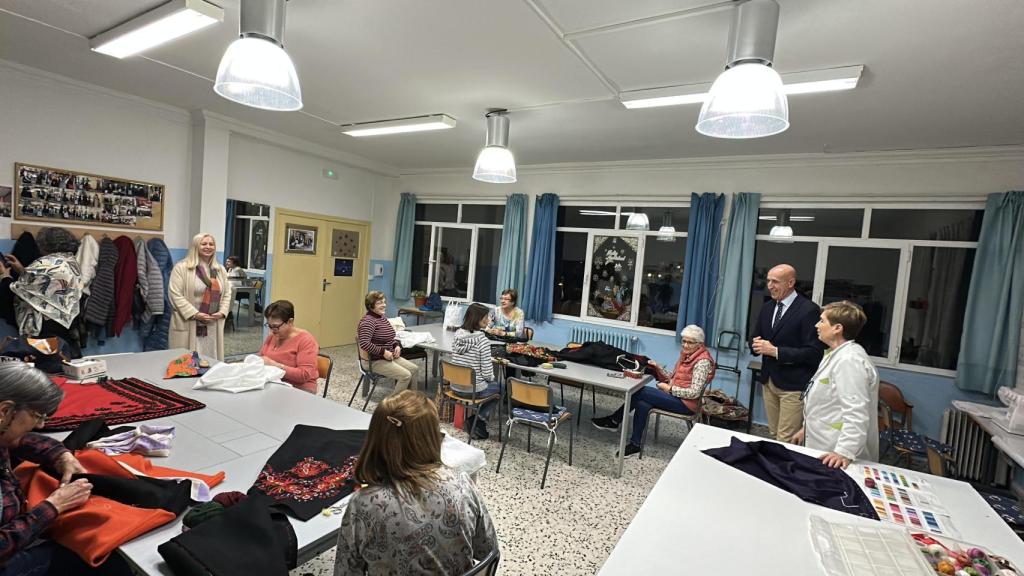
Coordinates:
column 404, row 230
column 700, row 270
column 732, row 304
column 512, row 261
column 540, row 275
column 229, row 232
column 992, row 321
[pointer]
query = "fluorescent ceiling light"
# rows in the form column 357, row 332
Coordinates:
column 813, row 81
column 398, row 126
column 791, row 218
column 161, row 24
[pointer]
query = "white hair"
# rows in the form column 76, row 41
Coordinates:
column 693, row 332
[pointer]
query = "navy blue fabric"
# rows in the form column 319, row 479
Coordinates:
column 799, row 474
column 799, row 348
column 156, row 339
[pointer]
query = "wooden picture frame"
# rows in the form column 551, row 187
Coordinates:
column 64, row 196
column 299, row 239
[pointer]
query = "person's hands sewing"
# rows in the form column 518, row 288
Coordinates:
column 70, row 496
column 67, row 465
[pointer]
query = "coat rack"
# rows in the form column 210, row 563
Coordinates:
column 78, row 232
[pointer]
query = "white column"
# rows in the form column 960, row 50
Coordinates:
column 208, row 200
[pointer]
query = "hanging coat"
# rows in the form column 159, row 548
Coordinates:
column 101, row 297
column 25, row 249
column 150, row 282
column 88, row 255
column 156, row 339
column 841, row 404
column 126, row 274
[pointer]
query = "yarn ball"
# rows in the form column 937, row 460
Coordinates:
column 201, row 513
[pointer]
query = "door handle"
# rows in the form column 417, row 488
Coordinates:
column 325, row 285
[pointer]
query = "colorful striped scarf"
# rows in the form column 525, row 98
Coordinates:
column 211, row 297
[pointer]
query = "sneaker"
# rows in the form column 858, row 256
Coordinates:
column 630, row 450
column 605, row 423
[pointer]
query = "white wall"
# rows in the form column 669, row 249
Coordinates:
column 53, row 121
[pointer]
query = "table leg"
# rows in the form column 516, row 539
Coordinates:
column 627, row 421
column 754, row 373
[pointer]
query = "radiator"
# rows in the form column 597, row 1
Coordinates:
column 972, row 448
column 581, row 334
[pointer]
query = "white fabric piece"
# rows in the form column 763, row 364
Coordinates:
column 462, row 456
column 410, row 339
column 87, row 256
column 200, row 490
column 250, row 374
column 145, row 439
column 397, row 323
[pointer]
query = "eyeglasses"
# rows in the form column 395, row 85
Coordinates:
column 274, row 327
column 692, row 342
column 39, row 416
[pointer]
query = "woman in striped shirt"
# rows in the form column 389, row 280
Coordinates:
column 376, row 337
column 472, row 348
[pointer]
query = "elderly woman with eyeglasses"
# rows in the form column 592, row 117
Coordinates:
column 678, row 392
column 27, row 397
column 290, row 348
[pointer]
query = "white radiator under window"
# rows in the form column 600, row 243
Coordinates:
column 972, row 448
column 581, row 334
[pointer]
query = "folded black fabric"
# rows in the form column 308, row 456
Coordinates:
column 799, row 474
column 249, row 539
column 142, row 492
column 601, row 355
column 89, row 431
column 313, row 469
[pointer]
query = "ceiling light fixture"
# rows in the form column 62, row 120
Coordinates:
column 255, row 70
column 495, row 164
column 782, row 231
column 747, row 100
column 155, row 27
column 638, row 221
column 667, row 231
column 399, row 125
column 809, row 82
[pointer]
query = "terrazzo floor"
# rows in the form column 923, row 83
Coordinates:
column 572, row 525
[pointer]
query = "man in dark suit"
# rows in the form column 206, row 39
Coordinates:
column 790, row 351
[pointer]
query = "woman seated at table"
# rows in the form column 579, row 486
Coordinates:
column 677, row 393
column 27, row 397
column 290, row 348
column 236, row 272
column 472, row 348
column 415, row 515
column 507, row 319
column 841, row 402
column 376, row 337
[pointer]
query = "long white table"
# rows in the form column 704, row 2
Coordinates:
column 237, row 433
column 573, row 372
column 705, row 517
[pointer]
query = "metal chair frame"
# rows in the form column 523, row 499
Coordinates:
column 550, row 425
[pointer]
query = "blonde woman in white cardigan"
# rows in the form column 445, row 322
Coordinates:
column 841, row 402
column 201, row 298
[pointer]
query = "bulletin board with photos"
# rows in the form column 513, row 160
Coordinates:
column 71, row 197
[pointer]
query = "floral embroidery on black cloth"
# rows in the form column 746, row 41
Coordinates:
column 313, row 469
column 116, row 401
column 309, row 479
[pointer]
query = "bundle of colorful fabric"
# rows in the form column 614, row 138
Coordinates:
column 187, row 365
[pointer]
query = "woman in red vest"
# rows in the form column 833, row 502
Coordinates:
column 677, row 393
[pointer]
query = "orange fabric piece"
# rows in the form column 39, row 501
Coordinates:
column 98, row 527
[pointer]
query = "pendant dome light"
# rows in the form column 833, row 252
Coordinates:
column 638, row 221
column 747, row 100
column 781, row 231
column 495, row 164
column 255, row 70
column 667, row 231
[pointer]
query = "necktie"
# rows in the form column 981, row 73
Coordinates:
column 778, row 313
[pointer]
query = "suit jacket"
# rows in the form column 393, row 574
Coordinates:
column 799, row 348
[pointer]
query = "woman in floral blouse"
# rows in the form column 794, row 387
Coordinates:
column 507, row 319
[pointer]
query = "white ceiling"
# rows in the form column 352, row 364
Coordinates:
column 938, row 73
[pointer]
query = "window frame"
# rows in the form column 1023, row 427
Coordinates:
column 435, row 233
column 644, row 236
column 906, row 247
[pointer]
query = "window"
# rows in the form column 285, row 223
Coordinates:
column 908, row 268
column 456, row 249
column 628, row 278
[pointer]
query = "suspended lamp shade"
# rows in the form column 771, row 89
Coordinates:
column 495, row 164
column 746, row 101
column 781, row 232
column 638, row 221
column 259, row 73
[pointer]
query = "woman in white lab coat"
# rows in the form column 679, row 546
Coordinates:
column 841, row 402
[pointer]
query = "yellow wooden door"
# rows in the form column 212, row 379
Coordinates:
column 345, row 269
column 297, row 275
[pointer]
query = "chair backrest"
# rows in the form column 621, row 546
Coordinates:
column 884, row 417
column 529, row 333
column 532, row 394
column 258, row 284
column 936, row 463
column 324, row 366
column 458, row 374
column 488, row 566
column 730, row 342
column 898, row 405
column 364, row 361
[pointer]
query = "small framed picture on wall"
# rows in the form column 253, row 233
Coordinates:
column 299, row 239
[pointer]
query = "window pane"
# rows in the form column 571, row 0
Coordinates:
column 437, row 212
column 420, row 260
column 842, row 222
column 488, row 252
column 452, row 267
column 570, row 259
column 675, row 216
column 866, row 276
column 661, row 283
column 483, row 214
column 964, row 225
column 612, row 270
column 936, row 301
column 586, row 217
column 800, row 255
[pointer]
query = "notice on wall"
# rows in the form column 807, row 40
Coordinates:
column 342, row 267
